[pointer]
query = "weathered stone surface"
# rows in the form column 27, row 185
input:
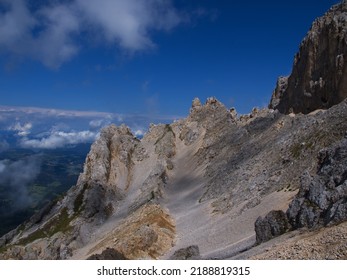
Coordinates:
column 273, row 224
column 108, row 254
column 189, row 253
column 322, row 199
column 319, row 76
column 109, row 158
column 165, row 145
column 146, row 233
column 279, row 92
column 234, row 176
column 196, row 105
column 325, row 244
column 240, row 162
column 233, row 114
column 209, row 170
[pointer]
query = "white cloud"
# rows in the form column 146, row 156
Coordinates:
column 43, row 128
column 49, row 33
column 49, row 112
column 59, row 139
column 2, row 166
column 22, row 130
column 54, row 26
column 15, row 23
column 128, row 22
column 139, row 133
column 97, row 124
column 55, row 43
column 15, row 176
column 119, row 117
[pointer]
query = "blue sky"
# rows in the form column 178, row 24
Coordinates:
column 146, row 59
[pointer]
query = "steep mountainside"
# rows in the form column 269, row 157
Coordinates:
column 196, row 188
column 319, row 76
column 203, row 181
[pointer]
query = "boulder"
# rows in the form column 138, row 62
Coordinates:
column 108, row 254
column 188, row 253
column 273, row 224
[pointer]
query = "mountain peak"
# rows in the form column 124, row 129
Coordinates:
column 319, row 75
column 195, row 188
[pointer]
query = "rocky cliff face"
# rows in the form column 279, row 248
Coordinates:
column 321, row 201
column 319, row 76
column 202, row 181
column 196, row 188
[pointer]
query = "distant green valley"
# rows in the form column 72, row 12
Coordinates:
column 57, row 171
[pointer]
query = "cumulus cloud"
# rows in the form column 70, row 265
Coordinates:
column 21, row 130
column 59, row 139
column 45, row 35
column 99, row 123
column 15, row 177
column 15, row 23
column 128, row 22
column 50, row 33
column 44, row 128
column 139, row 133
column 55, row 43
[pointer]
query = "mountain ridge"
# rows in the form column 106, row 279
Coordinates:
column 200, row 183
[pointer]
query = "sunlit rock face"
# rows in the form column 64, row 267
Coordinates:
column 319, row 76
column 195, row 188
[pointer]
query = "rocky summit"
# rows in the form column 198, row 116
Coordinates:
column 271, row 184
column 319, row 76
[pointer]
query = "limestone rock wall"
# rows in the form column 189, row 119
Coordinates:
column 319, row 75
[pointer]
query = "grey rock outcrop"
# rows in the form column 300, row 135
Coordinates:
column 273, row 224
column 189, row 253
column 108, row 254
column 116, row 143
column 210, row 165
column 104, row 189
column 205, row 179
column 321, row 200
column 279, row 92
column 319, row 75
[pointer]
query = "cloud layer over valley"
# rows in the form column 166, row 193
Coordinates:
column 59, row 139
column 37, row 128
column 15, row 176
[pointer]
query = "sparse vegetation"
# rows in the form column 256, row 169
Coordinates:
column 59, row 224
column 287, row 188
column 3, row 249
column 296, row 150
column 167, row 129
column 21, row 228
column 314, row 141
column 108, row 210
column 59, row 171
column 79, row 200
